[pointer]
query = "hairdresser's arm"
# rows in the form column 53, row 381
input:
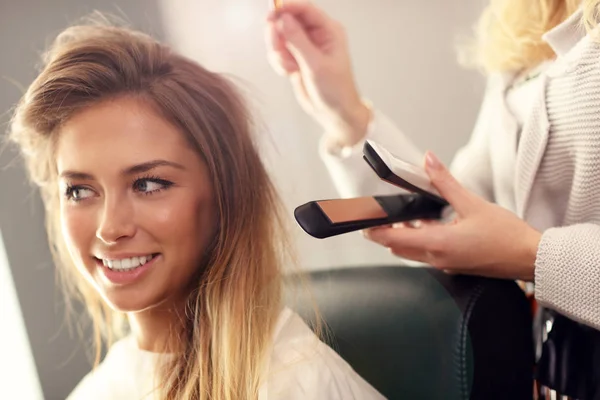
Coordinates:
column 310, row 48
column 351, row 175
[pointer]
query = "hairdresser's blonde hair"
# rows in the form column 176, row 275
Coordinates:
column 509, row 32
column 237, row 297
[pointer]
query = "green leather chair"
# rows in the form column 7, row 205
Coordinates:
column 418, row 333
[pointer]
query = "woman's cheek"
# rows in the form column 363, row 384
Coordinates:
column 78, row 231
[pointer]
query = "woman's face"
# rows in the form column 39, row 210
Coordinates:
column 137, row 209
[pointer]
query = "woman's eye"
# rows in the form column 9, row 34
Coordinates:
column 78, row 193
column 148, row 186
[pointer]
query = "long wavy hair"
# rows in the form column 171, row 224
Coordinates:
column 236, row 300
column 509, row 32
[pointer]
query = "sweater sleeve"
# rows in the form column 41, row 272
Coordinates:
column 567, row 273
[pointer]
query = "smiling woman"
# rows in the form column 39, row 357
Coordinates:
column 164, row 222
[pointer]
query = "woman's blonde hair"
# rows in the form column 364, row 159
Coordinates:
column 236, row 298
column 509, row 32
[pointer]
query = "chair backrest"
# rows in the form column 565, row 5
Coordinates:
column 418, row 333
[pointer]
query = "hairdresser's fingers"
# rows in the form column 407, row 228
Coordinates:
column 273, row 39
column 307, row 13
column 428, row 239
column 462, row 200
column 282, row 66
column 306, row 54
column 411, row 254
column 400, row 251
column 279, row 56
column 300, row 92
column 402, row 225
column 417, row 223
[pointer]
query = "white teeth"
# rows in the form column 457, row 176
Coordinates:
column 127, row 264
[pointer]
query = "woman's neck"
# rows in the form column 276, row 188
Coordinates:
column 157, row 329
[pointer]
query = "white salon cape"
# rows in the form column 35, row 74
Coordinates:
column 300, row 368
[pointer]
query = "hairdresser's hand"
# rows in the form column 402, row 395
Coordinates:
column 484, row 239
column 310, row 48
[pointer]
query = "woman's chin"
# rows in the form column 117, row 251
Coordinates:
column 130, row 304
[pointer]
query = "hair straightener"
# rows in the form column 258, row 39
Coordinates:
column 326, row 218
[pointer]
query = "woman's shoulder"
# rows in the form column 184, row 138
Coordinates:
column 303, row 367
column 111, row 373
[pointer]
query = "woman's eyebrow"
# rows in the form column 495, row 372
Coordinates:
column 147, row 166
column 134, row 169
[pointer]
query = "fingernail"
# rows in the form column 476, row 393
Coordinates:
column 432, row 161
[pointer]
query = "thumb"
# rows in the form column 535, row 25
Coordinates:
column 459, row 198
column 298, row 42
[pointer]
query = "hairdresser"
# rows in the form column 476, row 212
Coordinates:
column 525, row 188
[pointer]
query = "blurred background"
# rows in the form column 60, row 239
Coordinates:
column 404, row 54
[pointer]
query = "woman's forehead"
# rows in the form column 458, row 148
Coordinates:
column 124, row 130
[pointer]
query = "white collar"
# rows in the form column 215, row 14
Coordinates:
column 564, row 36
